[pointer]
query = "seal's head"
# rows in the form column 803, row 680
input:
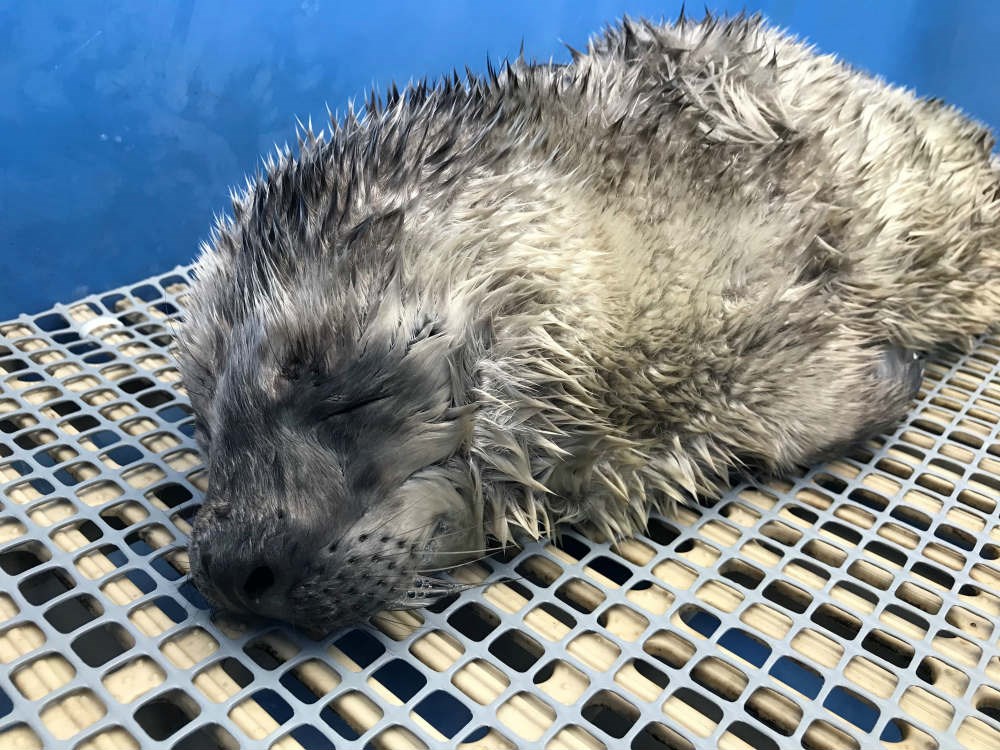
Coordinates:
column 338, row 472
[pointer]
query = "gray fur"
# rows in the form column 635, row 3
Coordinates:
column 569, row 293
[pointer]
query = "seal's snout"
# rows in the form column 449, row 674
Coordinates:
column 253, row 571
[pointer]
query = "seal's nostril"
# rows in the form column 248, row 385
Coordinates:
column 258, row 582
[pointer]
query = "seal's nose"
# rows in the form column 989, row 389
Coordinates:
column 254, row 576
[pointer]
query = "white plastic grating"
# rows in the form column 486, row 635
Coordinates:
column 854, row 606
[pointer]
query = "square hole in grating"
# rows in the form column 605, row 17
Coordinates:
column 169, row 566
column 746, row 646
column 837, row 621
column 788, row 596
column 580, row 595
column 751, row 736
column 90, row 531
column 401, row 679
column 700, row 621
column 351, row 714
column 74, row 613
column 121, row 456
column 134, row 679
column 169, row 495
column 905, row 618
column 148, row 539
column 51, row 322
column 474, row 621
column 444, row 712
column 32, row 440
column 624, row 622
column 539, row 570
column 138, row 578
column 310, row 680
column 123, row 515
column 46, row 585
column 610, row 569
column 572, row 546
column 887, row 552
column 742, row 573
column 669, row 648
column 642, row 679
column 29, row 490
column 894, row 650
column 73, row 474
column 683, row 701
column 100, row 645
column 134, row 385
column 23, row 557
column 161, row 604
column 271, row 650
column 208, row 680
column 661, row 532
column 610, row 713
column 167, row 714
column 480, row 680
column 720, row 677
column 43, row 675
column 774, row 710
column 658, row 736
column 562, row 681
column 852, row 707
column 272, row 703
column 309, row 738
column 152, row 399
column 210, row 737
column 360, row 646
column 99, row 439
column 93, row 564
column 797, row 676
column 955, row 536
column 441, row 603
column 82, row 705
column 174, row 413
column 189, row 592
column 147, row 293
column 651, row 597
column 437, row 649
column 558, row 614
column 517, row 650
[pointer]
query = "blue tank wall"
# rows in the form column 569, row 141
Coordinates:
column 123, row 124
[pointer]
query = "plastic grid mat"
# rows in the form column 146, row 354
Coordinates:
column 856, row 605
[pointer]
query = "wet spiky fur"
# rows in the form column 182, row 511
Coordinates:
column 693, row 248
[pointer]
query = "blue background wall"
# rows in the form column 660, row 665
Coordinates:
column 123, row 124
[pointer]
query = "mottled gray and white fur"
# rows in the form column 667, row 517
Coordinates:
column 568, row 293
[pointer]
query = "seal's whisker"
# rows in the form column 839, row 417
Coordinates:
column 383, row 616
column 485, row 555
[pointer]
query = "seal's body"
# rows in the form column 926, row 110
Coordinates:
column 567, row 293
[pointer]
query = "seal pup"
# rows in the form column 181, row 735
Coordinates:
column 566, row 293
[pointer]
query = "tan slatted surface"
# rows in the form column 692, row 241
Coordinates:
column 856, row 605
